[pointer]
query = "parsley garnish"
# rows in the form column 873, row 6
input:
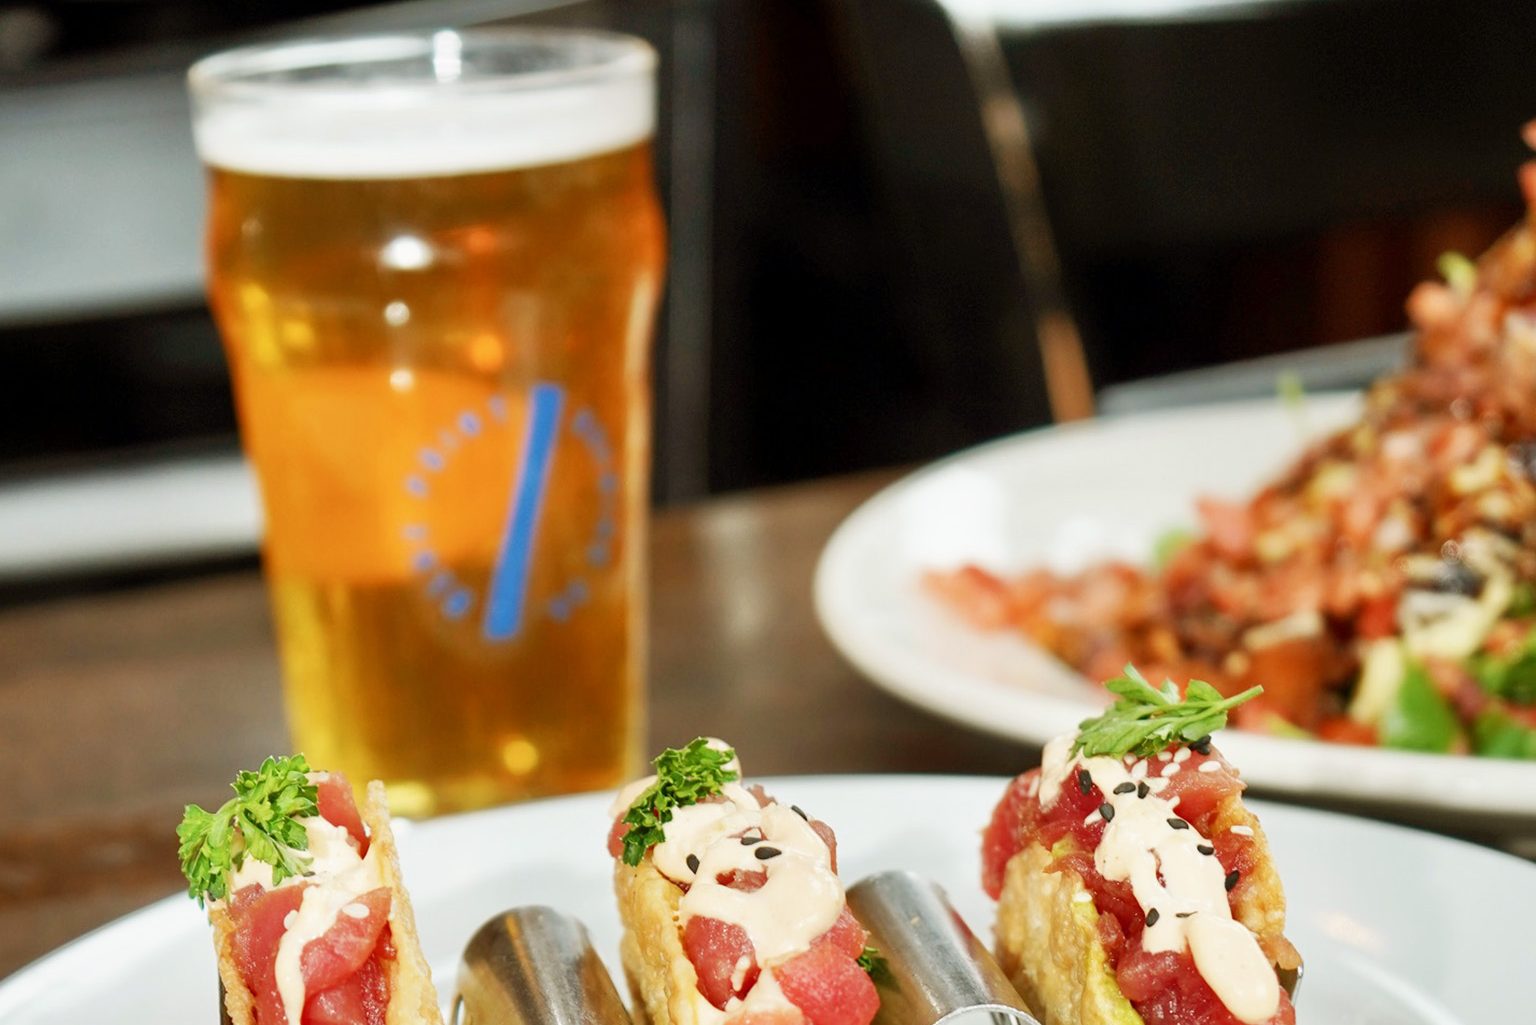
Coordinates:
column 873, row 964
column 260, row 821
column 1147, row 719
column 684, row 776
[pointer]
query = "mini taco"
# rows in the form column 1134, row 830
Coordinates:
column 1132, row 883
column 311, row 922
column 731, row 904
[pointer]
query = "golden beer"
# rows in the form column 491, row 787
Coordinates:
column 439, row 340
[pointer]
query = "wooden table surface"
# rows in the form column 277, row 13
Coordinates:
column 118, row 709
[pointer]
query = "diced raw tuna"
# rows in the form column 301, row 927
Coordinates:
column 716, row 949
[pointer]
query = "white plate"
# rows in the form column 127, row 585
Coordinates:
column 1396, row 926
column 1063, row 497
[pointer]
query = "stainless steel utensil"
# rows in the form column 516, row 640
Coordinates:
column 534, row 966
column 931, row 969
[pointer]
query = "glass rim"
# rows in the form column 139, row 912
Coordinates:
column 230, row 73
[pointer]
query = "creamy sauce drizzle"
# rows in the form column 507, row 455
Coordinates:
column 1169, row 874
column 800, row 901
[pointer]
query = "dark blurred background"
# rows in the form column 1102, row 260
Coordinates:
column 1222, row 181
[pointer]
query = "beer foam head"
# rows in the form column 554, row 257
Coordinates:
column 422, row 106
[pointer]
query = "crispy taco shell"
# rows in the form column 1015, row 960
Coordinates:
column 662, row 983
column 412, row 998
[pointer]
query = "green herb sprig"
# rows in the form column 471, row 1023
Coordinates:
column 684, row 776
column 260, row 821
column 1146, row 719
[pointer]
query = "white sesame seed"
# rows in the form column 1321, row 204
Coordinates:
column 1093, row 818
column 1211, row 766
column 1241, row 830
column 1156, row 786
column 1182, row 755
column 1171, row 769
column 1139, row 770
column 289, row 919
column 355, row 910
column 1082, row 897
column 1163, row 756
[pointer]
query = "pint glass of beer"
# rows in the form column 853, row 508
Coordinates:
column 434, row 261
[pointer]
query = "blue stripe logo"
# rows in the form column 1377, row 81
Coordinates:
column 506, row 602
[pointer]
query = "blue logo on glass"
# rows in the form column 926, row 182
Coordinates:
column 504, row 611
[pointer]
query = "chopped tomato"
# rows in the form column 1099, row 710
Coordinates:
column 1294, row 674
column 1341, row 729
column 338, row 807
column 828, row 986
column 980, row 596
column 1377, row 618
column 1229, row 524
column 717, row 950
column 347, row 944
column 258, row 928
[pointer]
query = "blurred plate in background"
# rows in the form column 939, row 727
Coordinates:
column 1064, row 497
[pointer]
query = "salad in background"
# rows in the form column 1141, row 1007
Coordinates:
column 1382, row 589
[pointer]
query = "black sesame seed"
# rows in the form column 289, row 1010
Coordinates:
column 693, row 862
column 1125, row 788
column 1177, row 823
column 800, row 812
column 1152, row 917
column 1142, row 790
column 1231, row 879
column 1205, row 848
column 1203, row 745
column 764, row 853
column 1183, row 914
column 1084, row 781
column 748, row 841
column 1107, row 810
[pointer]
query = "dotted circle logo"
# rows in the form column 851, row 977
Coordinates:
column 503, row 607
